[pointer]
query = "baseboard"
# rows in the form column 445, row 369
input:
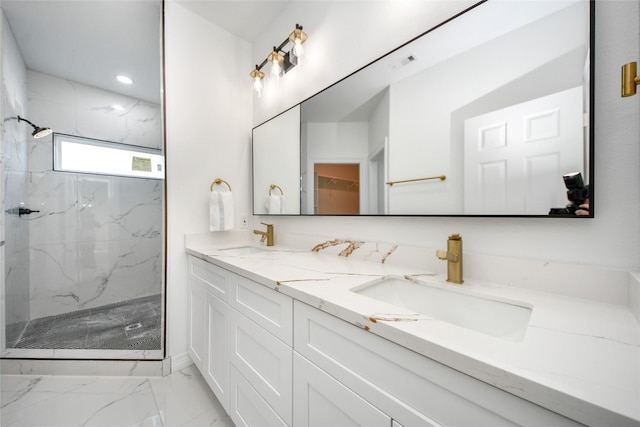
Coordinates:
column 180, row 361
column 146, row 368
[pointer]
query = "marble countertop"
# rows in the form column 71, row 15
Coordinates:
column 579, row 357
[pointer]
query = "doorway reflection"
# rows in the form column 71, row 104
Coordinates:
column 337, row 188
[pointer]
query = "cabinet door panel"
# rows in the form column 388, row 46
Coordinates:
column 264, row 361
column 320, row 400
column 217, row 370
column 197, row 324
column 268, row 308
column 246, row 407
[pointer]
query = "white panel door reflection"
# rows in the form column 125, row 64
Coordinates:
column 514, row 158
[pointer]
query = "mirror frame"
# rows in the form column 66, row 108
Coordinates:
column 590, row 146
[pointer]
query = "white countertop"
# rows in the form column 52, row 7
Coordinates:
column 579, row 357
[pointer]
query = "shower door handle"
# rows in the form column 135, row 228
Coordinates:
column 20, row 211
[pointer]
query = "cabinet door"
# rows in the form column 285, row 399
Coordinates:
column 320, row 400
column 197, row 324
column 264, row 361
column 246, row 407
column 217, row 366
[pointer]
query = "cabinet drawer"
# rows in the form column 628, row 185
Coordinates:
column 264, row 361
column 246, row 407
column 320, row 400
column 214, row 279
column 411, row 388
column 268, row 308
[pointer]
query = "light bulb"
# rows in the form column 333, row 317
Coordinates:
column 276, row 69
column 298, row 50
column 257, row 86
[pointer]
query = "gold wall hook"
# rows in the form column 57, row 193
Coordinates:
column 630, row 79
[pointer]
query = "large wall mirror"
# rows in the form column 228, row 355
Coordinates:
column 485, row 115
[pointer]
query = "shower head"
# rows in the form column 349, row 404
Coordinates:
column 38, row 132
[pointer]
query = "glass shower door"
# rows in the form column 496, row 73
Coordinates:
column 83, row 253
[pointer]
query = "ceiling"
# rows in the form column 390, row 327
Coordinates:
column 243, row 18
column 91, row 41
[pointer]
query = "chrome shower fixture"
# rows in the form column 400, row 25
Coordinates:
column 38, row 132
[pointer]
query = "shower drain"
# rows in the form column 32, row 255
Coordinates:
column 133, row 326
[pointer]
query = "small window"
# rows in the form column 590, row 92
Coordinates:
column 85, row 155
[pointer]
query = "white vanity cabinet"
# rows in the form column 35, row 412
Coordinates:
column 241, row 338
column 273, row 361
column 410, row 389
column 208, row 328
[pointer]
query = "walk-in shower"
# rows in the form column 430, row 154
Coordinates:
column 82, row 246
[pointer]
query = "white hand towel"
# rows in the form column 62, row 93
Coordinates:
column 275, row 204
column 220, row 211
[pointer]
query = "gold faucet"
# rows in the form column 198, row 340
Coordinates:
column 453, row 255
column 266, row 234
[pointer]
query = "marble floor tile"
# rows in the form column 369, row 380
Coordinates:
column 179, row 399
column 185, row 399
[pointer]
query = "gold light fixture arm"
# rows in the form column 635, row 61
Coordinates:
column 630, row 79
column 440, row 177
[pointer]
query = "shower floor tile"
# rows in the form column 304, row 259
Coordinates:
column 130, row 325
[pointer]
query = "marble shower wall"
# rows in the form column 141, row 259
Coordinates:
column 97, row 239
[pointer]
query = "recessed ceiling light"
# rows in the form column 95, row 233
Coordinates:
column 117, row 107
column 124, row 79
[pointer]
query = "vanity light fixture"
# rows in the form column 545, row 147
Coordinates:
column 630, row 79
column 281, row 61
column 38, row 132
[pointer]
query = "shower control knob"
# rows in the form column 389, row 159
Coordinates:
column 20, row 211
column 25, row 211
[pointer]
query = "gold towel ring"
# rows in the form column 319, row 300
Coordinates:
column 273, row 187
column 219, row 181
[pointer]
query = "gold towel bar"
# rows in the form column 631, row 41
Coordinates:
column 219, row 181
column 440, row 177
column 273, row 187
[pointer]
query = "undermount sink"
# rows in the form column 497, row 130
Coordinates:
column 500, row 318
column 243, row 250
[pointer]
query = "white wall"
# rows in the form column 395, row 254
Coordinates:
column 208, row 119
column 612, row 238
